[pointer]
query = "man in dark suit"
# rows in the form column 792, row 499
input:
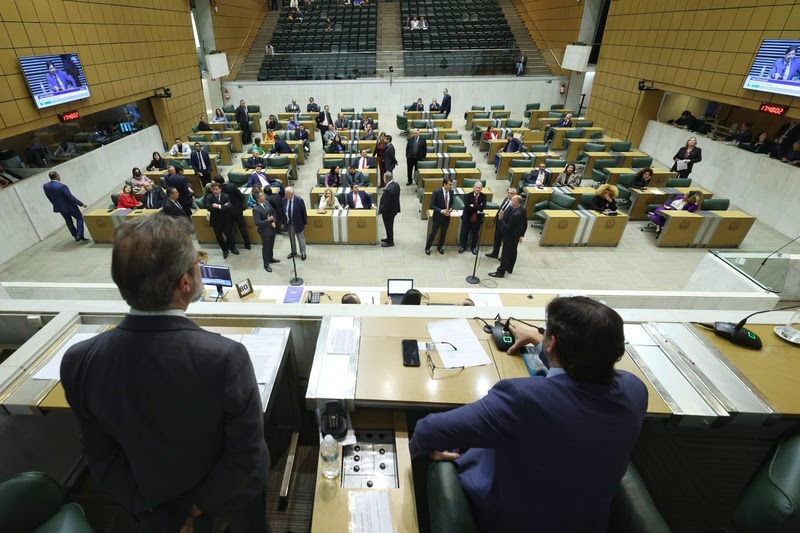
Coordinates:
column 444, row 107
column 416, row 150
column 238, row 205
column 243, row 119
column 417, row 106
column 172, row 205
column 301, row 134
column 265, row 217
column 65, row 205
column 358, row 199
column 281, row 147
column 176, row 179
column 442, row 205
column 389, row 157
column 201, row 164
column 293, row 107
column 295, row 218
column 472, row 218
column 354, row 177
column 324, row 120
column 189, row 446
column 513, row 232
column 153, row 197
column 312, row 107
column 365, row 161
column 389, row 207
column 219, row 209
column 537, row 178
column 341, row 122
column 513, row 145
column 582, row 342
column 501, row 221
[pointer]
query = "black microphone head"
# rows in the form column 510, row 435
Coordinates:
column 741, row 324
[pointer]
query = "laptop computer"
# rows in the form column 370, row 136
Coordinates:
column 397, row 288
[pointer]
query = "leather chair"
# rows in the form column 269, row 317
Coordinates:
column 598, row 172
column 716, row 204
column 481, row 115
column 427, row 183
column 457, row 149
column 201, row 202
column 501, row 114
column 370, row 109
column 196, row 138
column 349, row 110
column 584, row 124
column 539, row 148
column 555, row 162
column 496, row 107
column 423, row 164
column 438, row 116
column 419, row 123
column 619, row 146
column 228, row 109
column 402, row 124
column 596, row 135
column 555, row 114
column 624, row 187
column 513, row 123
column 114, row 200
column 577, row 133
column 679, row 182
column 452, row 136
column 330, row 163
column 33, row 501
column 633, row 509
column 465, row 164
column 590, row 147
column 557, row 106
column 469, row 183
column 239, row 177
column 585, row 202
column 563, row 202
column 280, row 162
column 254, row 109
column 529, row 108
column 426, row 136
column 641, row 162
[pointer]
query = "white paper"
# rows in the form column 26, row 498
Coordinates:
column 369, row 297
column 341, row 341
column 52, row 369
column 457, row 332
column 341, row 322
column 265, row 353
column 481, row 299
column 637, row 336
column 273, row 292
column 370, row 512
column 681, row 165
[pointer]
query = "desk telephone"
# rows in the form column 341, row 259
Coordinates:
column 334, row 420
column 313, row 297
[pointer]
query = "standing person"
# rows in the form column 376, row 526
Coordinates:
column 444, row 107
column 243, row 119
column 416, row 150
column 389, row 158
column 201, row 163
column 219, row 210
column 501, row 221
column 472, row 218
column 513, row 232
column 389, row 208
column 784, row 68
column 378, row 154
column 238, row 205
column 565, row 417
column 296, row 220
column 324, row 120
column 689, row 154
column 66, row 205
column 442, row 205
column 522, row 61
column 185, row 192
column 264, row 219
column 189, row 448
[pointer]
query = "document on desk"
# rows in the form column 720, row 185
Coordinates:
column 468, row 350
column 52, row 369
column 483, row 299
column 370, row 512
column 369, row 297
column 265, row 353
column 341, row 341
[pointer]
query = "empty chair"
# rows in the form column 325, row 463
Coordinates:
column 641, row 162
column 402, row 124
column 539, row 148
column 330, row 163
column 584, row 124
column 557, row 201
column 529, row 108
column 452, row 136
column 716, row 204
column 590, row 147
column 33, row 501
column 419, row 123
column 577, row 133
column 624, row 187
column 196, row 138
column 596, row 135
column 482, row 115
column 555, row 114
column 457, row 149
column 679, row 182
column 598, row 174
column 620, row 146
column 238, row 177
column 557, row 106
column 370, row 109
column 425, row 136
column 555, row 162
column 496, row 107
column 464, row 164
column 513, row 123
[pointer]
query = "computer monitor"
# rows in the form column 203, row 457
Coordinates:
column 217, row 276
column 399, row 286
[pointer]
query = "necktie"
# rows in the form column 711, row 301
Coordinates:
column 218, row 200
column 363, row 163
column 61, row 83
column 202, row 164
column 289, row 211
column 446, row 200
column 786, row 72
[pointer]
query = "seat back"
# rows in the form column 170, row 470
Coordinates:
column 531, row 106
column 196, row 138
column 626, row 180
column 238, row 177
column 370, row 109
column 554, row 114
column 478, row 108
column 481, row 115
column 464, row 164
column 596, row 135
column 469, row 183
column 538, row 148
column 455, row 149
column 641, row 162
column 604, row 163
column 620, row 146
column 228, row 108
column 29, row 499
column 557, row 106
column 330, row 163
column 513, row 123
column 115, row 198
column 561, row 201
column 584, row 124
column 426, row 136
column 254, row 109
column 452, row 136
column 496, row 107
column 201, row 202
column 555, row 162
column 594, row 147
column 577, row 133
column 349, row 110
column 427, row 164
column 501, row 114
column 716, row 204
column 401, row 122
column 632, row 508
column 419, row 124
column 438, row 116
column 679, row 182
column 521, row 163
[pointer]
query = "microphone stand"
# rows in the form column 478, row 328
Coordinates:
column 773, row 253
column 473, row 279
column 295, row 281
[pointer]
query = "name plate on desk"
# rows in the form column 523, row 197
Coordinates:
column 244, row 288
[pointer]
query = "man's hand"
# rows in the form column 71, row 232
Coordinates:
column 520, row 240
column 445, row 456
column 84, row 206
column 522, row 338
column 188, row 525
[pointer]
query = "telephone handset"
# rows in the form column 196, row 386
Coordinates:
column 313, row 297
column 334, row 421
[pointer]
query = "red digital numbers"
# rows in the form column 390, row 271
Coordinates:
column 67, row 117
column 773, row 109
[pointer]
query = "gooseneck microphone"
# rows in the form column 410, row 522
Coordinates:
column 770, row 255
column 738, row 334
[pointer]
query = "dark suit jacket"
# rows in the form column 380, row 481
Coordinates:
column 193, row 435
column 370, row 162
column 260, row 214
column 312, row 107
column 180, row 182
column 514, row 145
column 238, row 201
column 242, row 116
column 389, row 158
column 171, row 209
column 280, row 147
column 357, row 178
column 694, row 157
column 470, row 206
column 416, row 106
column 293, row 108
column 299, row 216
column 218, row 216
column 366, row 200
column 444, row 107
column 515, row 224
column 321, row 117
column 533, row 175
column 437, row 202
column 421, row 150
column 509, row 430
column 61, row 198
column 158, row 198
column 194, row 159
column 390, row 200
column 342, row 124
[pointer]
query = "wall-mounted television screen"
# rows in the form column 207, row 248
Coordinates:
column 54, row 79
column 776, row 68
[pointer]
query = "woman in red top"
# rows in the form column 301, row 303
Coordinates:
column 490, row 134
column 128, row 200
column 380, row 149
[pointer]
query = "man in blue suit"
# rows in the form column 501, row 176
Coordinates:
column 58, row 80
column 358, row 199
column 66, row 205
column 296, row 218
column 442, row 205
column 513, row 145
column 201, row 164
column 446, row 103
column 547, row 453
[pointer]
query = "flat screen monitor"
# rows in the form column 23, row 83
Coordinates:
column 54, row 79
column 399, row 286
column 776, row 68
column 218, row 276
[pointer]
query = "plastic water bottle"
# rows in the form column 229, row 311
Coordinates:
column 329, row 455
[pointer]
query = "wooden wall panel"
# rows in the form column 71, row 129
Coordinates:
column 552, row 24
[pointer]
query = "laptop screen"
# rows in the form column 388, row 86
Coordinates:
column 399, row 286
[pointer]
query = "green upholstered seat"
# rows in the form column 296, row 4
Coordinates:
column 438, row 116
column 33, row 501
column 481, row 115
column 115, row 198
column 577, row 133
column 624, row 185
column 598, row 173
column 521, row 163
column 555, row 162
column 239, row 177
column 529, row 108
column 679, row 182
column 465, row 164
column 350, row 110
column 455, row 149
column 452, row 136
column 596, row 135
column 370, row 109
column 426, row 136
column 330, row 163
column 584, row 124
column 557, row 200
column 478, row 108
column 555, row 114
column 228, row 108
column 620, row 146
column 254, row 109
column 497, row 106
column 196, row 138
column 633, row 509
column 539, row 148
column 513, row 123
column 642, row 162
column 201, row 202
column 402, row 123
column 427, row 164
column 557, row 106
column 716, row 204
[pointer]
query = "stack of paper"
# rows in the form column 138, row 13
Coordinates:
column 468, row 350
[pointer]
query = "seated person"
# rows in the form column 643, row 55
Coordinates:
column 281, row 147
column 258, row 177
column 328, row 24
column 329, row 201
column 367, row 121
column 411, row 297
column 128, row 200
column 417, row 106
column 605, row 199
column 252, row 162
column 744, row 135
column 341, row 123
column 512, row 146
column 179, row 148
column 686, row 121
column 203, row 124
column 415, row 23
column 369, row 133
column 642, row 178
column 358, row 199
column 793, row 157
column 351, row 298
column 311, row 106
column 329, row 135
column 691, row 202
column 293, row 107
column 564, row 417
column 157, row 163
column 256, row 149
column 407, row 23
column 434, row 105
column 762, row 144
column 549, row 132
column 490, row 133
column 219, row 116
column 273, row 124
column 300, row 134
column 65, row 149
column 423, row 24
column 269, row 136
column 292, row 124
column 138, row 180
column 252, row 198
column 334, row 177
column 152, row 197
column 568, row 178
column 465, row 302
column 354, row 177
column 336, row 146
column 365, row 161
column 538, row 177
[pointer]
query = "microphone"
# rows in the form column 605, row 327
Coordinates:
column 773, row 253
column 738, row 334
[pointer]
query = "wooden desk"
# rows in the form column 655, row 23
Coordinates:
column 494, row 146
column 605, row 230
column 517, row 174
column 628, row 157
column 202, row 229
column 472, row 112
column 534, row 195
column 507, row 157
column 420, row 115
column 536, row 114
column 680, row 228
column 585, row 228
column 102, row 223
column 726, row 229
column 319, row 229
column 593, row 158
column 574, row 146
column 296, row 146
column 559, row 227
column 235, row 137
column 447, row 160
column 361, row 226
column 659, row 179
column 223, row 149
column 546, row 121
column 641, row 199
column 458, row 175
column 443, row 146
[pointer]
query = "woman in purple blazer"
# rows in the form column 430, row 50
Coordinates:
column 690, row 202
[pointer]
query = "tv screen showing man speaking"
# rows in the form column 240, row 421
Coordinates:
column 776, row 68
column 54, row 79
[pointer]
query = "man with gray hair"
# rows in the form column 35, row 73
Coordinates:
column 170, row 414
column 296, row 218
column 513, row 232
column 416, row 150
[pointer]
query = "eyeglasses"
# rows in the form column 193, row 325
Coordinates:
column 431, row 346
column 202, row 257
